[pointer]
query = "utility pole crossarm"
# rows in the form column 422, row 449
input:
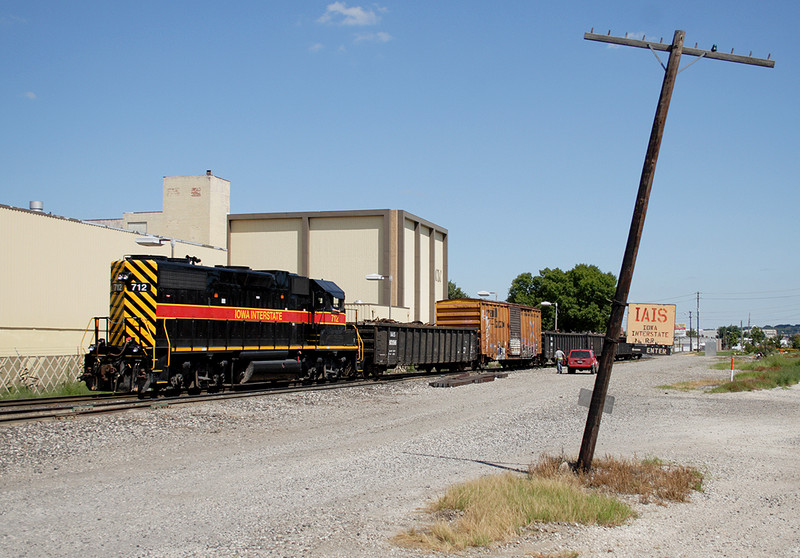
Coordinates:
column 765, row 62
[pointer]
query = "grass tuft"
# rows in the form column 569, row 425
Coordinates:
column 496, row 508
column 779, row 370
column 651, row 479
column 61, row 390
column 768, row 373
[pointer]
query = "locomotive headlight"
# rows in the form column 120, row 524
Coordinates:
column 124, row 277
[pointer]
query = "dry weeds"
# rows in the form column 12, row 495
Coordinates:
column 496, row 508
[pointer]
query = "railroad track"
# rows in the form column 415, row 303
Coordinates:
column 49, row 408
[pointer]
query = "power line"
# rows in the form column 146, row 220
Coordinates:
column 751, row 298
column 760, row 292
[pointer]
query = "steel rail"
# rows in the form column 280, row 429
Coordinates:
column 124, row 403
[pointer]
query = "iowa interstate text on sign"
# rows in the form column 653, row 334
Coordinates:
column 651, row 324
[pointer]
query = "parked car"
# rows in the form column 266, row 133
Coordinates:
column 582, row 359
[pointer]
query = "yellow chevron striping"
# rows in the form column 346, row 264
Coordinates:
column 144, row 270
column 141, row 306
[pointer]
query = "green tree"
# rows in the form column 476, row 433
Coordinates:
column 757, row 335
column 796, row 341
column 454, row 292
column 730, row 335
column 583, row 295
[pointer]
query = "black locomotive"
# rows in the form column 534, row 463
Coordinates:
column 176, row 325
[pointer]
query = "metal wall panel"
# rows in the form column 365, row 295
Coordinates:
column 273, row 244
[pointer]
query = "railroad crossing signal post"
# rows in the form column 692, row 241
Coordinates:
column 614, row 328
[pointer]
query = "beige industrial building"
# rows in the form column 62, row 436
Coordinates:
column 195, row 209
column 346, row 247
column 54, row 271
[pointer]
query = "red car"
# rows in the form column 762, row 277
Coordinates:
column 582, row 359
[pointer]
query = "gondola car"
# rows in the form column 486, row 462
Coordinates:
column 425, row 347
column 176, row 325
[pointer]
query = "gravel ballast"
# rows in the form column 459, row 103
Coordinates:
column 338, row 473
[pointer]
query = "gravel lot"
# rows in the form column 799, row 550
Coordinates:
column 338, row 473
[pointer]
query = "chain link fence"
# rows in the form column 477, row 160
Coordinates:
column 38, row 373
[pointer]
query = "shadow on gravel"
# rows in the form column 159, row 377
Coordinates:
column 503, row 466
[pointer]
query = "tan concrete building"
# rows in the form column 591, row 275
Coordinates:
column 345, row 247
column 195, row 209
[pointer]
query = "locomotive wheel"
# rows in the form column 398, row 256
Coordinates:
column 215, row 386
column 349, row 371
column 90, row 382
column 123, row 380
column 145, row 386
column 175, row 386
column 141, row 387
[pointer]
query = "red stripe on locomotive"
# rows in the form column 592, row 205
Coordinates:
column 188, row 311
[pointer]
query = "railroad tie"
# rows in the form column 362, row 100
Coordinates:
column 465, row 379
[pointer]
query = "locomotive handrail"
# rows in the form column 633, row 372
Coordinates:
column 360, row 342
column 96, row 331
column 169, row 346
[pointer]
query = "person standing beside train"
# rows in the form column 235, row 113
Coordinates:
column 559, row 360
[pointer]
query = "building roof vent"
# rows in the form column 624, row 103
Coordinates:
column 36, row 206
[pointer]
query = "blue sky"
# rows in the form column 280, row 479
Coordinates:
column 497, row 121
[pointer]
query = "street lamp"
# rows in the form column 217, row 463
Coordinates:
column 545, row 303
column 157, row 241
column 379, row 277
column 487, row 293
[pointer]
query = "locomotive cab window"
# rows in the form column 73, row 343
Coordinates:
column 330, row 293
column 323, row 302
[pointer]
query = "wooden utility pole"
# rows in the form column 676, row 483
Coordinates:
column 620, row 301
